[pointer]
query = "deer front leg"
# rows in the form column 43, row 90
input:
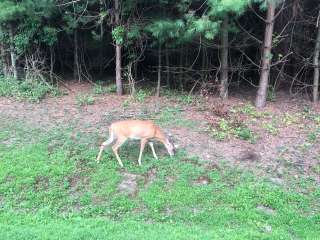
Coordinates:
column 115, row 148
column 153, row 151
column 142, row 145
column 103, row 145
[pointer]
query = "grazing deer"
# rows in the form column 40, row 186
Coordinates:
column 136, row 129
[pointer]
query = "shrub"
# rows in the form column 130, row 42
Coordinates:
column 32, row 91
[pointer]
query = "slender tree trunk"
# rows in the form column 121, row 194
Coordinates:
column 159, row 71
column 76, row 67
column 167, row 68
column 261, row 97
column 12, row 53
column 3, row 57
column 118, row 70
column 51, row 63
column 204, row 58
column 316, row 67
column 224, row 60
column 135, row 66
column 101, row 67
column 118, row 52
column 3, row 63
column 181, row 71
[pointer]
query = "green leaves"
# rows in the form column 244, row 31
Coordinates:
column 192, row 22
column 49, row 35
column 166, row 29
column 10, row 10
column 221, row 7
column 118, row 35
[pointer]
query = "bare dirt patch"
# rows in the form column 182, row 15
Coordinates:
column 202, row 180
column 129, row 184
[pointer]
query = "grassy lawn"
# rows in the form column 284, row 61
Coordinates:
column 52, row 188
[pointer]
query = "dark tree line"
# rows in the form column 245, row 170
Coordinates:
column 191, row 45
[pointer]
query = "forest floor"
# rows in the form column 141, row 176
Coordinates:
column 262, row 166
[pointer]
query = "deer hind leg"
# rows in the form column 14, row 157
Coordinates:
column 142, row 145
column 103, row 145
column 115, row 148
column 153, row 151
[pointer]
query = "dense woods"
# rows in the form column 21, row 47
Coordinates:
column 208, row 47
column 159, row 119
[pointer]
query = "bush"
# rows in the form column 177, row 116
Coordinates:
column 99, row 89
column 83, row 100
column 32, row 91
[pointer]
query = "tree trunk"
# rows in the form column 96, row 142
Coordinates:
column 101, row 65
column 316, row 67
column 261, row 97
column 51, row 63
column 204, row 60
column 3, row 63
column 76, row 67
column 118, row 70
column 136, row 70
column 167, row 69
column 224, row 60
column 159, row 71
column 118, row 52
column 181, row 70
column 12, row 53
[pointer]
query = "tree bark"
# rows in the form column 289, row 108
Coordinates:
column 136, row 70
column 224, row 59
column 316, row 66
column 118, row 52
column 51, row 63
column 159, row 71
column 181, row 70
column 3, row 63
column 101, row 65
column 261, row 97
column 167, row 68
column 13, row 55
column 76, row 67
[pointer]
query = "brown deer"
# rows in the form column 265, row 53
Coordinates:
column 143, row 130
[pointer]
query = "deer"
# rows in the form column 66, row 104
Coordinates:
column 143, row 130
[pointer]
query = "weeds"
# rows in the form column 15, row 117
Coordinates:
column 250, row 110
column 99, row 89
column 271, row 128
column 141, row 95
column 171, row 116
column 225, row 129
column 83, row 100
column 185, row 99
column 271, row 94
column 112, row 88
column 32, row 91
column 289, row 119
column 245, row 133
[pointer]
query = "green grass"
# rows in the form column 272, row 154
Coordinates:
column 172, row 116
column 52, row 188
